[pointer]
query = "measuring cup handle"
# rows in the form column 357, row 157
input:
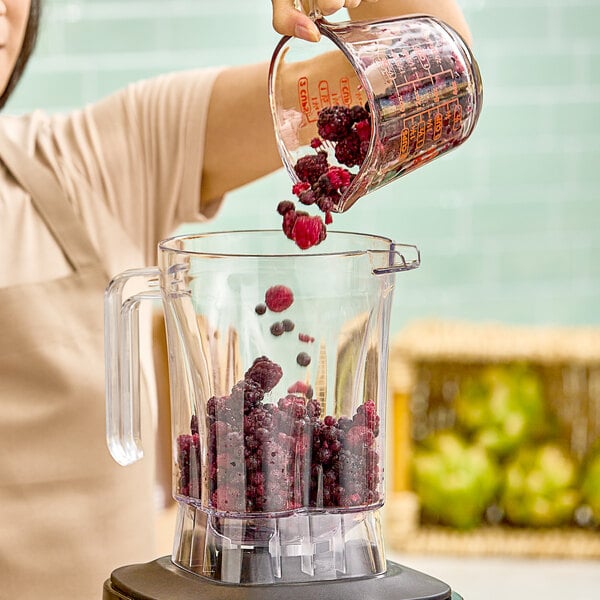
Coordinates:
column 313, row 10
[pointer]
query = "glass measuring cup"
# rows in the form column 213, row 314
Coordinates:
column 415, row 77
column 278, row 433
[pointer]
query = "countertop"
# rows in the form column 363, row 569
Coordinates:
column 510, row 578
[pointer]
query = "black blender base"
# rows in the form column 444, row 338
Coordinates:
column 162, row 580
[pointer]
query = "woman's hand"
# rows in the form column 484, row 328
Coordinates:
column 289, row 20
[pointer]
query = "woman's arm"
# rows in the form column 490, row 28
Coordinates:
column 240, row 143
column 445, row 10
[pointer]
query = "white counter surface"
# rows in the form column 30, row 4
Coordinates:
column 509, row 578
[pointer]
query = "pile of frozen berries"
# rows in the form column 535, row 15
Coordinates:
column 265, row 457
column 348, row 131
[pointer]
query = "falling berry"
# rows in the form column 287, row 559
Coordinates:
column 304, row 337
column 265, row 372
column 334, row 122
column 309, row 168
column 278, row 298
column 277, row 328
column 303, row 359
column 288, row 325
column 308, row 231
column 285, row 206
column 260, row 309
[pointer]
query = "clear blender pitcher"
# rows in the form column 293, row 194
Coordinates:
column 277, row 367
column 377, row 99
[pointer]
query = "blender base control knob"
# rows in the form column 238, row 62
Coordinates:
column 162, row 580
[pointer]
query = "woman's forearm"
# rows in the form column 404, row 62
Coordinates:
column 445, row 10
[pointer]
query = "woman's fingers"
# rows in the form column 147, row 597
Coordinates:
column 288, row 20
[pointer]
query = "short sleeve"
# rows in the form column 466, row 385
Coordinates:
column 140, row 151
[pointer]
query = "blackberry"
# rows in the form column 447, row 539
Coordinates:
column 264, row 372
column 347, row 151
column 358, row 113
column 284, row 207
column 310, row 168
column 248, row 393
column 334, row 122
column 287, row 225
column 308, row 197
column 260, row 309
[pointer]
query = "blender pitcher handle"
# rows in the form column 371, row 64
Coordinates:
column 399, row 259
column 122, row 364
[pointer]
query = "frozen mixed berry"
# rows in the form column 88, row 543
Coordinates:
column 309, row 168
column 277, row 328
column 363, row 130
column 278, row 298
column 304, row 337
column 288, row 325
column 289, row 219
column 303, row 359
column 260, row 309
column 334, row 122
column 348, row 151
column 308, row 197
column 280, row 457
column 308, row 231
column 298, row 388
column 285, row 206
column 359, row 113
column 265, row 372
column 338, row 177
column 298, row 188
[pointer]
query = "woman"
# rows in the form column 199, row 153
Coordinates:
column 83, row 196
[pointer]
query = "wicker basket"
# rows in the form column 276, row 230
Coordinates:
column 428, row 360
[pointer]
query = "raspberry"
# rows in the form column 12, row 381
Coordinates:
column 363, row 130
column 265, row 372
column 298, row 188
column 308, row 231
column 338, row 177
column 310, row 168
column 279, row 297
column 304, row 337
column 328, row 218
column 334, row 122
column 299, row 387
column 316, row 143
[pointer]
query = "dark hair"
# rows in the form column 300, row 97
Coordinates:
column 29, row 41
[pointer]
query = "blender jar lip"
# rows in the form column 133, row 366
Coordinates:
column 168, row 245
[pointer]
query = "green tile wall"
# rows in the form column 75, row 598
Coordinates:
column 508, row 224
